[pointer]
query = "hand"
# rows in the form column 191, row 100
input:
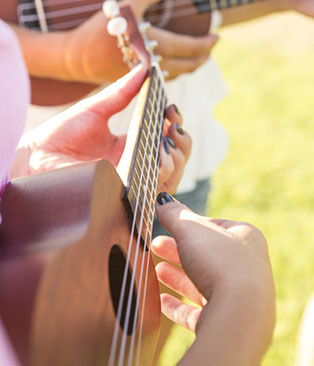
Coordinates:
column 81, row 134
column 91, row 54
column 227, row 273
column 180, row 53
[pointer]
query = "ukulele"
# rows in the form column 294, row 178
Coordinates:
column 77, row 282
column 181, row 16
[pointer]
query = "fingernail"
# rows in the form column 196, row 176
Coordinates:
column 166, row 146
column 164, row 197
column 177, row 110
column 179, row 129
column 171, row 142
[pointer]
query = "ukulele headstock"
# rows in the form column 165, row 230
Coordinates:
column 131, row 36
column 123, row 25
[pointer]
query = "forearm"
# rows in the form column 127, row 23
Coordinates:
column 234, row 329
column 44, row 53
column 248, row 12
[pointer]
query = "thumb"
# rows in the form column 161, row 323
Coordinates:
column 175, row 217
column 118, row 95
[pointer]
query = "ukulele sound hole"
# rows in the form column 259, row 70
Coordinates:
column 117, row 264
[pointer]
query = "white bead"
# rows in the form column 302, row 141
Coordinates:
column 117, row 26
column 110, row 8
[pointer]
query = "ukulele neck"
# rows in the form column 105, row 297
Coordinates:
column 205, row 6
column 56, row 15
column 140, row 159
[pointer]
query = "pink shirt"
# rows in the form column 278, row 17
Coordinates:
column 14, row 98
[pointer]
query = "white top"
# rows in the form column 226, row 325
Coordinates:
column 196, row 95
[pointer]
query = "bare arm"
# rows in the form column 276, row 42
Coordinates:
column 87, row 53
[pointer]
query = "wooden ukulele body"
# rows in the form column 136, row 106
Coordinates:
column 62, row 239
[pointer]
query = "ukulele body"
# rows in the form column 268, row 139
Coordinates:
column 64, row 239
column 50, row 92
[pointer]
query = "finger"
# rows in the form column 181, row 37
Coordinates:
column 182, row 140
column 176, row 45
column 179, row 312
column 173, row 114
column 166, row 248
column 178, row 66
column 118, row 95
column 184, row 225
column 178, row 158
column 166, row 163
column 178, row 281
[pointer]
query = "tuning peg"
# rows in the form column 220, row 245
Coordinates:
column 143, row 27
column 111, row 8
column 151, row 45
column 156, row 59
column 117, row 26
column 165, row 74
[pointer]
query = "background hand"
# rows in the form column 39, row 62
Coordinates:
column 226, row 270
column 181, row 53
column 91, row 54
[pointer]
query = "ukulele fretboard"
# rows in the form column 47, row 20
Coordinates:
column 204, row 6
column 142, row 182
column 54, row 15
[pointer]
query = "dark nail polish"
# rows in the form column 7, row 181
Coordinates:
column 164, row 197
column 171, row 142
column 166, row 146
column 177, row 110
column 180, row 129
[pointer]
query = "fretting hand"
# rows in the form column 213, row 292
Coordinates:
column 227, row 273
column 81, row 133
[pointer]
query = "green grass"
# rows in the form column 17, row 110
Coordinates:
column 268, row 176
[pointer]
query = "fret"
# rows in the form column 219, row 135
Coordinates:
column 27, row 8
column 55, row 15
column 205, row 6
column 142, row 183
column 83, row 9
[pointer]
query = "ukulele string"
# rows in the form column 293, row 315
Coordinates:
column 113, row 350
column 177, row 12
column 135, row 264
column 146, row 253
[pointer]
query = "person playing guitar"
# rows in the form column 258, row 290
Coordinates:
column 214, row 285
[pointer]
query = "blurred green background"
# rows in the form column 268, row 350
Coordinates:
column 268, row 176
